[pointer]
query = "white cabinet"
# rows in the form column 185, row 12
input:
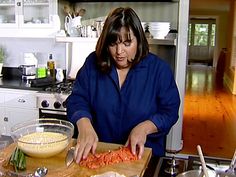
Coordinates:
column 28, row 18
column 16, row 106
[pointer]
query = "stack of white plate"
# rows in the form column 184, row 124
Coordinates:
column 159, row 29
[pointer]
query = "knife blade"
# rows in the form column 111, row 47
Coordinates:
column 70, row 156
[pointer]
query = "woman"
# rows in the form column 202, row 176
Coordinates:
column 123, row 94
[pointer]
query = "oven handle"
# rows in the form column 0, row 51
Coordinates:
column 47, row 111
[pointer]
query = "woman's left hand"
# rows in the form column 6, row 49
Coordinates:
column 138, row 135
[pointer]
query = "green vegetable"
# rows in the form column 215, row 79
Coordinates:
column 18, row 160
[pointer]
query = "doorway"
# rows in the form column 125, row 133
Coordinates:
column 202, row 34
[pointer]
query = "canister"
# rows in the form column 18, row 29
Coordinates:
column 41, row 71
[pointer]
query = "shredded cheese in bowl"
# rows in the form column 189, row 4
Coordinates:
column 43, row 144
column 43, row 138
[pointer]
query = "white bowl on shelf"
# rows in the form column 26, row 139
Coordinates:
column 158, row 29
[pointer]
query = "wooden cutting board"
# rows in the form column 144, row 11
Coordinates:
column 56, row 164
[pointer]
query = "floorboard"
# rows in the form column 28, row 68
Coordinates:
column 209, row 114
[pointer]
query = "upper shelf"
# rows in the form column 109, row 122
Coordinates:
column 86, row 39
column 162, row 41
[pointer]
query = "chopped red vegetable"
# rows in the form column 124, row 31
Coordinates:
column 123, row 154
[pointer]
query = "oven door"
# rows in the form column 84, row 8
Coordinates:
column 56, row 114
column 50, row 113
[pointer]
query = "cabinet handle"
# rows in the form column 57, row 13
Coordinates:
column 5, row 119
column 21, row 100
column 18, row 3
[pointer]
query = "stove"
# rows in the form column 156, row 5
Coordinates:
column 60, row 88
column 218, row 164
column 51, row 102
column 173, row 166
column 170, row 166
column 54, row 97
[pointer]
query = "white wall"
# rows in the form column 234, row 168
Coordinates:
column 42, row 47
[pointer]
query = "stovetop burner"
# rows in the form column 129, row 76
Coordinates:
column 62, row 87
column 212, row 163
column 170, row 167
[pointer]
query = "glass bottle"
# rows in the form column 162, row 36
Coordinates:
column 51, row 67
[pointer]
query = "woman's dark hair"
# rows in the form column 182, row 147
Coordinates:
column 118, row 18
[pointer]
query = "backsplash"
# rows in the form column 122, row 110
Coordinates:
column 41, row 47
column 147, row 11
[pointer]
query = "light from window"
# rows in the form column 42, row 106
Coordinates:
column 213, row 32
column 189, row 34
column 201, row 35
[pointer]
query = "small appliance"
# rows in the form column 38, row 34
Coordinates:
column 28, row 71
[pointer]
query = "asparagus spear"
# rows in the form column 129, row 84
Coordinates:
column 18, row 160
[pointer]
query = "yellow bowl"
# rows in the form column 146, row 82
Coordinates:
column 43, row 138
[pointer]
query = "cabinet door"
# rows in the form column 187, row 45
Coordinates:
column 2, row 98
column 18, row 115
column 35, row 13
column 8, row 14
column 29, row 18
column 20, row 100
column 3, row 121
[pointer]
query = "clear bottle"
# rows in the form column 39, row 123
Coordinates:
column 51, row 67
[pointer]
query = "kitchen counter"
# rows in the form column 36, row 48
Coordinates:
column 11, row 79
column 17, row 84
column 149, row 172
column 56, row 164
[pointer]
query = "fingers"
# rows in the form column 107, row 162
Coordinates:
column 87, row 149
column 127, row 143
column 77, row 153
column 133, row 148
column 94, row 147
column 82, row 149
column 137, row 139
column 87, row 139
column 141, row 151
column 137, row 148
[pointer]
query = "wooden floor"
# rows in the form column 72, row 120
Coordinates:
column 209, row 114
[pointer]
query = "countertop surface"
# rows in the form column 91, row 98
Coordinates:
column 11, row 78
column 136, row 167
column 26, row 85
column 18, row 84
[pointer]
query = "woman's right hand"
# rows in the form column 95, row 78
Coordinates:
column 87, row 139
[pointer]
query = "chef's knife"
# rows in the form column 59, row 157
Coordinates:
column 70, row 156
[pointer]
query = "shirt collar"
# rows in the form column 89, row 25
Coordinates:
column 140, row 66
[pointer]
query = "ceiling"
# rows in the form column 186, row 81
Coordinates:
column 221, row 5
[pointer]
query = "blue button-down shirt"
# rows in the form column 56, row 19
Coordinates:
column 148, row 93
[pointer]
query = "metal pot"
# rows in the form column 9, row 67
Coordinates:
column 28, row 70
column 196, row 173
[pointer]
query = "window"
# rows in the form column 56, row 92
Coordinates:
column 201, row 35
column 202, row 32
column 213, row 34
